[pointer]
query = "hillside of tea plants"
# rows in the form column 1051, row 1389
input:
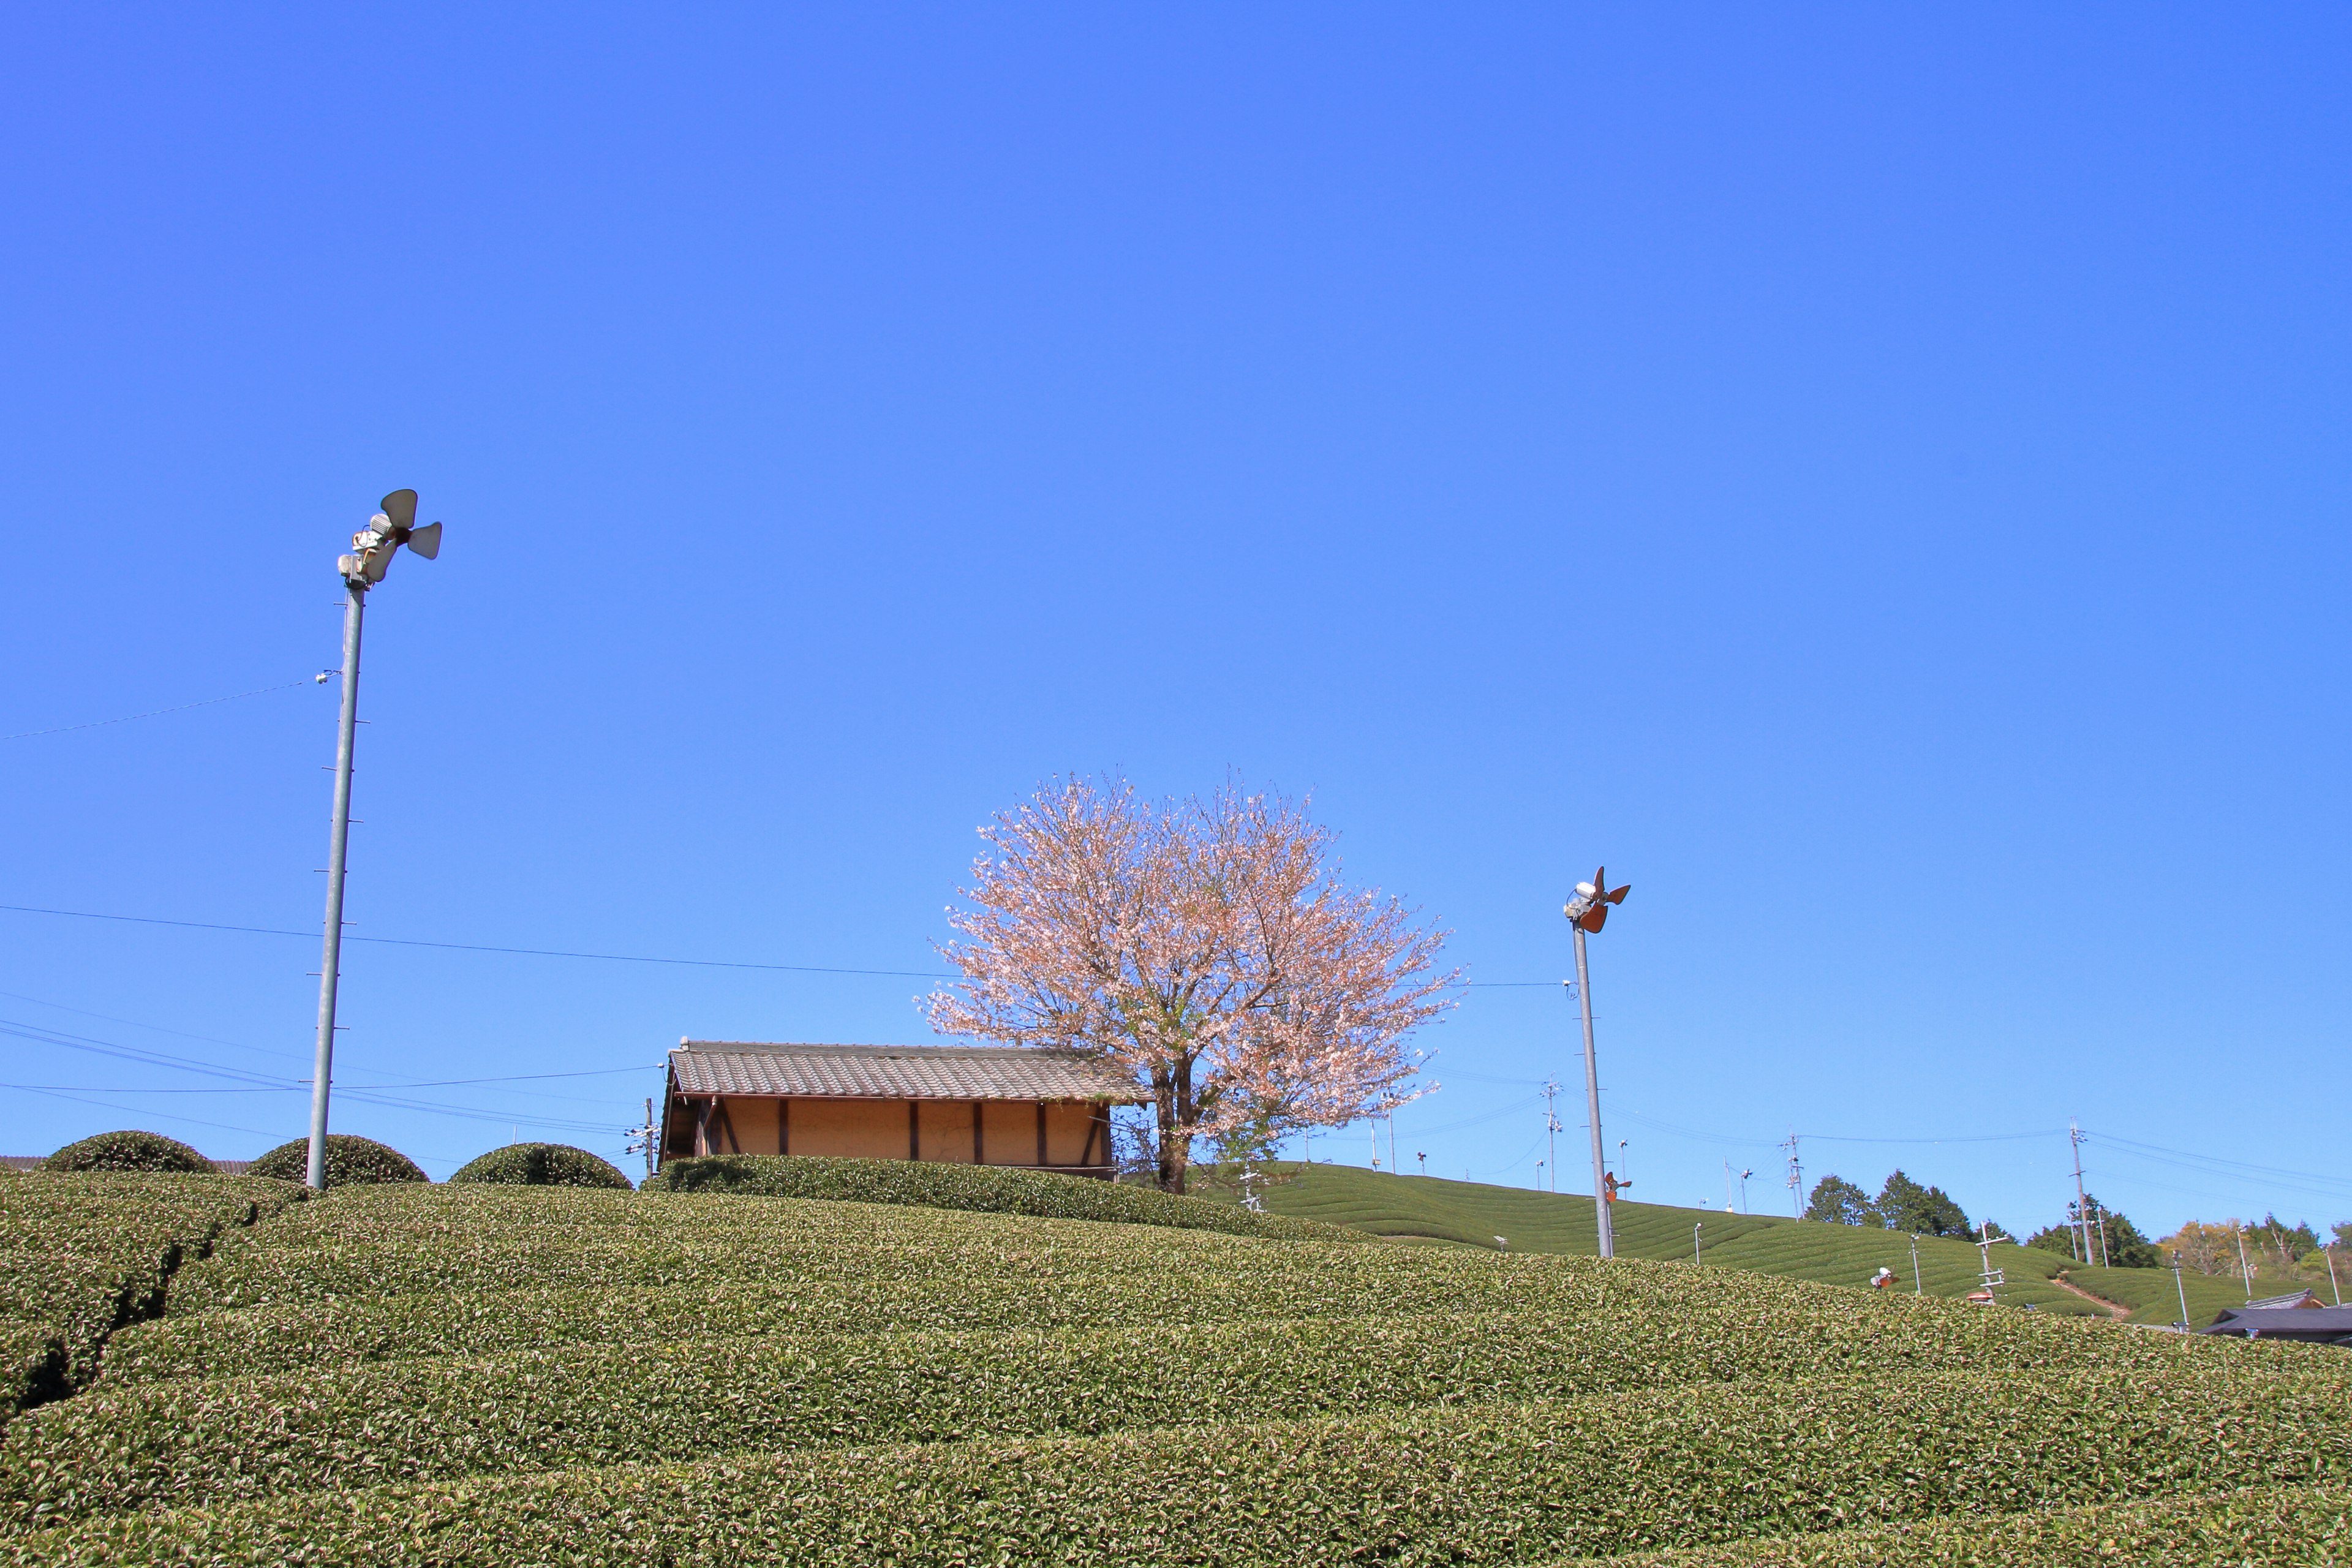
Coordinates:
column 1475, row 1214
column 211, row 1372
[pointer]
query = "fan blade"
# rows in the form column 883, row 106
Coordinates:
column 1617, row 895
column 425, row 540
column 1597, row 918
column 401, row 507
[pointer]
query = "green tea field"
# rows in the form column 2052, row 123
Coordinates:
column 209, row 1372
column 1472, row 1214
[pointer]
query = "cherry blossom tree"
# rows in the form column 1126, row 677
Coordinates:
column 1211, row 946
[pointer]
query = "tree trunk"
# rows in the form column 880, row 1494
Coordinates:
column 1171, row 1094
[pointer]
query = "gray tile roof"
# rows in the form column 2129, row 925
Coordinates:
column 896, row 1072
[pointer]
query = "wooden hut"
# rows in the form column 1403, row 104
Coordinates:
column 965, row 1105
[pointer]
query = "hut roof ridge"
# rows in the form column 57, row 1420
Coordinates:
column 895, row 1072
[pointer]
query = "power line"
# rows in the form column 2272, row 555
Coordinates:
column 477, row 947
column 555, row 952
column 259, row 1082
column 159, row 712
column 2155, row 1151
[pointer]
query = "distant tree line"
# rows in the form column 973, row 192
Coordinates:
column 2214, row 1247
column 2203, row 1248
column 1902, row 1204
column 2114, row 1240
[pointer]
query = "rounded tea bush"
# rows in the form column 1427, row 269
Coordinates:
column 351, row 1162
column 543, row 1165
column 130, row 1150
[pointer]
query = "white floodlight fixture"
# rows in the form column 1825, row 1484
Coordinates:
column 1588, row 909
column 373, row 546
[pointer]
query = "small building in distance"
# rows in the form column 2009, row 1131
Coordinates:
column 964, row 1105
column 2313, row 1324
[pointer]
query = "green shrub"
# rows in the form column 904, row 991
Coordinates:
column 130, row 1151
column 988, row 1188
column 1682, row 1466
column 390, row 1248
column 2261, row 1527
column 540, row 1166
column 84, row 1252
column 90, row 1211
column 471, row 1323
column 1829, row 1331
column 352, row 1161
column 574, row 1405
column 32, row 1367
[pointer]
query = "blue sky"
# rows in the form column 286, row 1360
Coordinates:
column 1873, row 477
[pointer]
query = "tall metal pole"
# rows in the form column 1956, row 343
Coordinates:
column 1602, row 1226
column 1551, row 1132
column 2177, row 1285
column 2082, row 1201
column 331, row 962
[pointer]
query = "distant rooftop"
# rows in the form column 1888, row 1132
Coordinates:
column 34, row 1161
column 896, row 1072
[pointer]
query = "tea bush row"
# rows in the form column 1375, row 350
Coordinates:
column 97, row 1211
column 1588, row 1478
column 267, row 1274
column 988, row 1188
column 471, row 1324
column 2259, row 1527
column 389, row 1249
column 190, row 1440
column 82, row 1254
column 383, row 1213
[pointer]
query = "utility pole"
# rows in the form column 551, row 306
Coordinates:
column 1552, row 1130
column 1694, row 1239
column 1726, row 1186
column 1744, row 1175
column 1993, row 1278
column 1915, row 1288
column 2183, row 1289
column 2245, row 1268
column 2082, row 1220
column 2333, row 1288
column 645, row 1139
column 372, row 548
column 1587, row 911
column 1796, row 1179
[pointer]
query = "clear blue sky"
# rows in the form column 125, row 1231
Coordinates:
column 1874, row 477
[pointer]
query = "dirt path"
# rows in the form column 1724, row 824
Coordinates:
column 2112, row 1309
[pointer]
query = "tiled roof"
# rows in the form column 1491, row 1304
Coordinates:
column 34, row 1161
column 896, row 1072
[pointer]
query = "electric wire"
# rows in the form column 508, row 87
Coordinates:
column 159, row 712
column 560, row 952
column 479, row 947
